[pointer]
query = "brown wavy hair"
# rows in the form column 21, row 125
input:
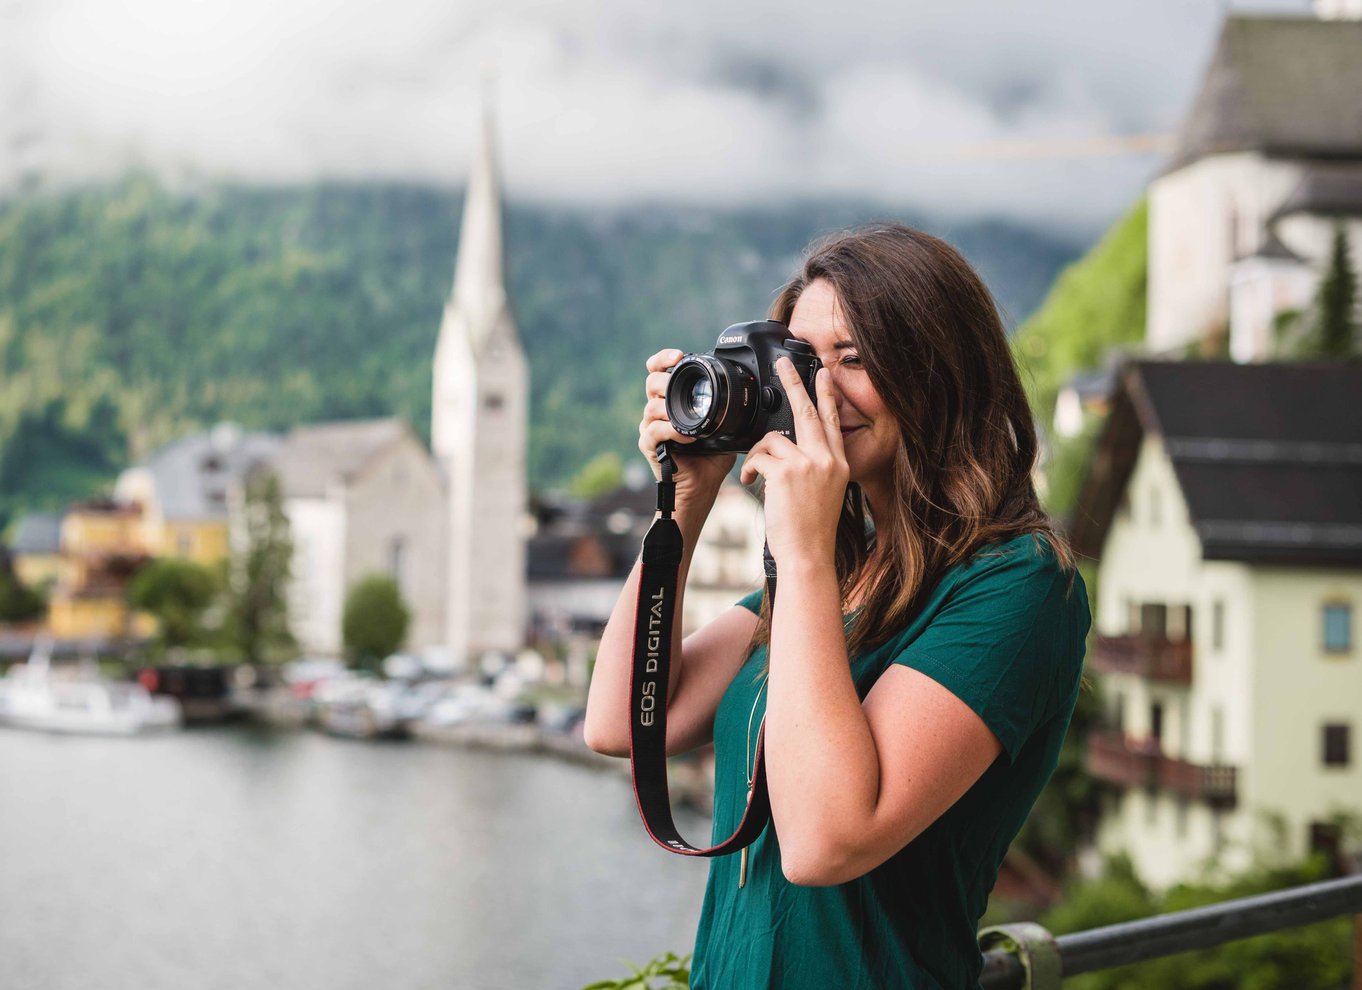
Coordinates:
column 929, row 336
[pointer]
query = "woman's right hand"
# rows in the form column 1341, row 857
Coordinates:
column 696, row 476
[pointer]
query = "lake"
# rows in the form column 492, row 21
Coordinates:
column 240, row 858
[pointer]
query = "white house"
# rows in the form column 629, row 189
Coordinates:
column 727, row 562
column 1268, row 164
column 1224, row 508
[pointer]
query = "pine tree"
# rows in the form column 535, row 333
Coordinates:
column 257, row 615
column 1336, row 329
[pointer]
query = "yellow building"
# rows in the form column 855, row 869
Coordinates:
column 35, row 548
column 101, row 547
column 182, row 491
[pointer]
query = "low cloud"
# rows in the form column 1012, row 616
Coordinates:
column 965, row 108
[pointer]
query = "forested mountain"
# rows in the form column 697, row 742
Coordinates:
column 131, row 313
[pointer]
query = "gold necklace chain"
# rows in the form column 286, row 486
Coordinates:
column 749, row 757
column 750, row 766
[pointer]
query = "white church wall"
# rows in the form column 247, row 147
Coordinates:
column 1201, row 218
column 396, row 513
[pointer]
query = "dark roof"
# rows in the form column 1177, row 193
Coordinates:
column 1333, row 190
column 1268, row 457
column 1273, row 249
column 1280, row 85
column 37, row 533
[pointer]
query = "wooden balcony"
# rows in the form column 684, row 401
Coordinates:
column 1113, row 758
column 1131, row 763
column 1216, row 785
column 1155, row 657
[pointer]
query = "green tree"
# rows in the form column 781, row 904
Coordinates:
column 1310, row 957
column 374, row 623
column 1334, row 335
column 18, row 602
column 601, row 475
column 1096, row 307
column 177, row 593
column 256, row 626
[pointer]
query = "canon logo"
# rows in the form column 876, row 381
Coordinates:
column 730, row 340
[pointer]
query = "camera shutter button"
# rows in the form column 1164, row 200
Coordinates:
column 770, row 398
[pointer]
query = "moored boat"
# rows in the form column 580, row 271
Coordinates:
column 36, row 695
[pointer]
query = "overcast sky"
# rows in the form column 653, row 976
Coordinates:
column 959, row 106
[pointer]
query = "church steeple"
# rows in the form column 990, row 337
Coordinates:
column 479, row 273
column 479, row 423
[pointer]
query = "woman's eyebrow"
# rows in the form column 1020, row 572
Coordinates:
column 841, row 345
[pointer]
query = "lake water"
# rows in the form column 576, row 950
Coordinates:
column 237, row 858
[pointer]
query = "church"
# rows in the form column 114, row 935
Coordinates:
column 366, row 497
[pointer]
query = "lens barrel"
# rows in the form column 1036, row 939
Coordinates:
column 709, row 396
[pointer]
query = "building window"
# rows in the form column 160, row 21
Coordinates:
column 1336, row 747
column 1338, row 627
column 1217, row 625
column 1156, row 722
column 1154, row 620
column 493, row 400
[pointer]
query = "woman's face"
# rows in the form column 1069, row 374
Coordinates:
column 869, row 432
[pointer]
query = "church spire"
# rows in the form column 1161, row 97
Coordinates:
column 479, row 273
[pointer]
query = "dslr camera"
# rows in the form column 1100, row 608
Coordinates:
column 731, row 397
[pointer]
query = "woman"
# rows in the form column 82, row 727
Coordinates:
column 915, row 676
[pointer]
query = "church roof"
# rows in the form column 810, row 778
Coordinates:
column 1268, row 457
column 192, row 475
column 313, row 457
column 1328, row 189
column 1279, row 85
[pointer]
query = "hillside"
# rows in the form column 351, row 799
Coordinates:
column 131, row 313
column 1094, row 311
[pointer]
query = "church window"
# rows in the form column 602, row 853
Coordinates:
column 397, row 561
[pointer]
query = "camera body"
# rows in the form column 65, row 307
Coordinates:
column 731, row 397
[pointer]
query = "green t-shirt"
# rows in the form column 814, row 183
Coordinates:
column 1004, row 632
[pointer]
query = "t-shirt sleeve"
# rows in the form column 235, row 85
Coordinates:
column 751, row 602
column 1007, row 639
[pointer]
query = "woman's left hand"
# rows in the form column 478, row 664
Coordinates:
column 805, row 481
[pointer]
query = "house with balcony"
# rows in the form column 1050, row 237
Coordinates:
column 1224, row 510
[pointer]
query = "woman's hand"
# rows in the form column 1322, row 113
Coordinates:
column 805, row 481
column 697, row 477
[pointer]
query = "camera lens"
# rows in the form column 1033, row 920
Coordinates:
column 709, row 396
column 700, row 398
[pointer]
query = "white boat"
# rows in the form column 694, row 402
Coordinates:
column 35, row 695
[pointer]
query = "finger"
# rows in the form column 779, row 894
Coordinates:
column 755, row 463
column 808, row 428
column 656, row 385
column 827, row 409
column 652, row 432
column 663, row 360
column 655, row 409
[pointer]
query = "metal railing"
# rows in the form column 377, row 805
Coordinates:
column 1027, row 957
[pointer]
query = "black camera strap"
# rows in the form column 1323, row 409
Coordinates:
column 657, row 592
